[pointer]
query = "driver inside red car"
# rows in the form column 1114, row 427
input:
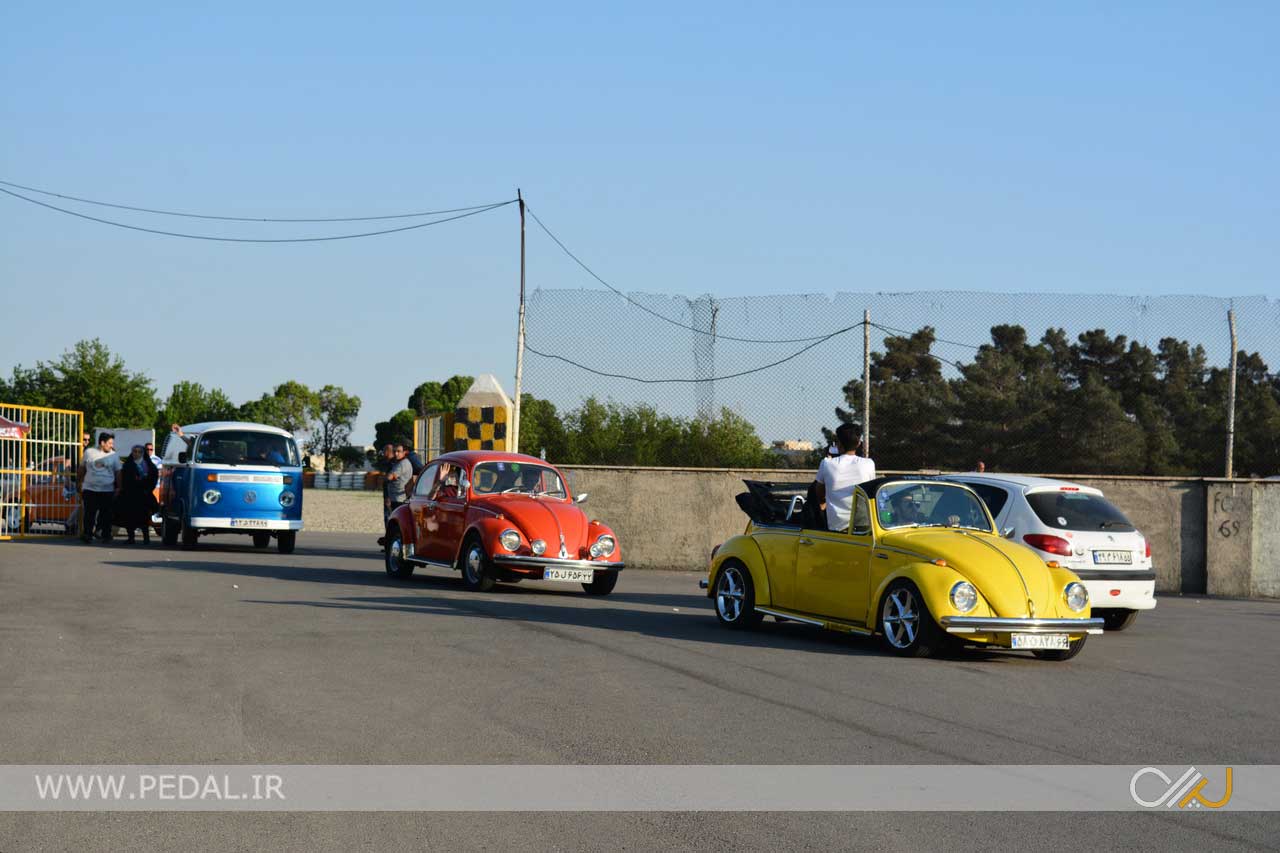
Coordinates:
column 448, row 487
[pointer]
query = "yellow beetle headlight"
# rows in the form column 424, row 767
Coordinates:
column 1076, row 596
column 964, row 597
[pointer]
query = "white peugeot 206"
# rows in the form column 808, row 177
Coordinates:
column 1082, row 530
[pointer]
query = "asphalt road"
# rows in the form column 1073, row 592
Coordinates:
column 118, row 655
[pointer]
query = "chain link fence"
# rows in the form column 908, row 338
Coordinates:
column 1147, row 395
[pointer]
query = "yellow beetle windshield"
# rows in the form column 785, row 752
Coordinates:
column 900, row 505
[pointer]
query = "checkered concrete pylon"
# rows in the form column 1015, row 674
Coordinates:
column 480, row 428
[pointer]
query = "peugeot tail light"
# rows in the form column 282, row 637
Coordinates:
column 1051, row 544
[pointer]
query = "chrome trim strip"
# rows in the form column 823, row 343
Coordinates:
column 829, row 624
column 519, row 561
column 1026, row 589
column 1001, row 624
column 807, row 620
column 422, row 561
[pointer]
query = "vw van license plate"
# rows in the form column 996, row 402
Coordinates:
column 248, row 522
column 1125, row 557
column 570, row 575
column 1040, row 641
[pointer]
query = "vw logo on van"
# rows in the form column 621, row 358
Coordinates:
column 250, row 496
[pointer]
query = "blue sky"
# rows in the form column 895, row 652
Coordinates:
column 733, row 149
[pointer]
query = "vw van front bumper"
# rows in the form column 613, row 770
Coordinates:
column 244, row 524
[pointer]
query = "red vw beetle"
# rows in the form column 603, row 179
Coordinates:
column 500, row 517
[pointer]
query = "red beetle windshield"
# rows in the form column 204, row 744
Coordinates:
column 492, row 478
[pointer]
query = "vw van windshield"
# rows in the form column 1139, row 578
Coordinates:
column 492, row 478
column 246, row 447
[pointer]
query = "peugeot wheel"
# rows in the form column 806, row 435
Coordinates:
column 906, row 626
column 393, row 549
column 1116, row 620
column 476, row 573
column 735, row 597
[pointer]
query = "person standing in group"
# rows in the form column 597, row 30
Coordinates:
column 150, row 450
column 398, row 479
column 838, row 475
column 137, row 501
column 99, row 483
column 386, row 459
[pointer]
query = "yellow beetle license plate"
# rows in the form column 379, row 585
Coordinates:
column 1040, row 641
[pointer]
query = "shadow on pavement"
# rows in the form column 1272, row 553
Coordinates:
column 553, row 618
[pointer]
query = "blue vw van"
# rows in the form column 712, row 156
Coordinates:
column 231, row 477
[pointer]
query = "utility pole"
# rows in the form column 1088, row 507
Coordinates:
column 513, row 440
column 866, row 383
column 1231, row 397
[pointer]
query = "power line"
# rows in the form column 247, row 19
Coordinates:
column 648, row 310
column 256, row 239
column 684, row 380
column 892, row 330
column 763, row 367
column 241, row 218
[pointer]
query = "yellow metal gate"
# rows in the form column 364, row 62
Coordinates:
column 39, row 454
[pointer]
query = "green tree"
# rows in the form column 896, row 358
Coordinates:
column 911, row 405
column 542, row 429
column 190, row 403
column 1004, row 402
column 1094, row 434
column 346, row 457
column 90, row 378
column 399, row 428
column 432, row 398
column 289, row 406
column 334, row 413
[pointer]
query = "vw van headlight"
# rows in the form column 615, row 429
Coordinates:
column 1077, row 597
column 212, row 496
column 510, row 540
column 964, row 597
column 287, row 499
column 538, row 547
column 603, row 546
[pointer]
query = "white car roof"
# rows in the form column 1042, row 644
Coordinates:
column 1024, row 482
column 214, row 426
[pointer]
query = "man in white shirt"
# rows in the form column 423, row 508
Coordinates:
column 838, row 475
column 99, row 485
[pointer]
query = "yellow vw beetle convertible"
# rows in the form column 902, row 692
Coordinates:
column 921, row 565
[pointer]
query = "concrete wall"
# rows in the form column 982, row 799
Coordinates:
column 1216, row 536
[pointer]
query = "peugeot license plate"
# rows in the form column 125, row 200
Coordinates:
column 248, row 522
column 569, row 575
column 1040, row 641
column 1125, row 557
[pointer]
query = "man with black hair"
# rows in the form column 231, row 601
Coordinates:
column 99, row 483
column 838, row 475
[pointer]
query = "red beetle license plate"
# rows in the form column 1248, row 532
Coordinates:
column 569, row 575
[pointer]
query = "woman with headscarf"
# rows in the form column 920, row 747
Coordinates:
column 137, row 502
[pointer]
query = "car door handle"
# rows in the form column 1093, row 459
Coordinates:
column 804, row 541
column 880, row 556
